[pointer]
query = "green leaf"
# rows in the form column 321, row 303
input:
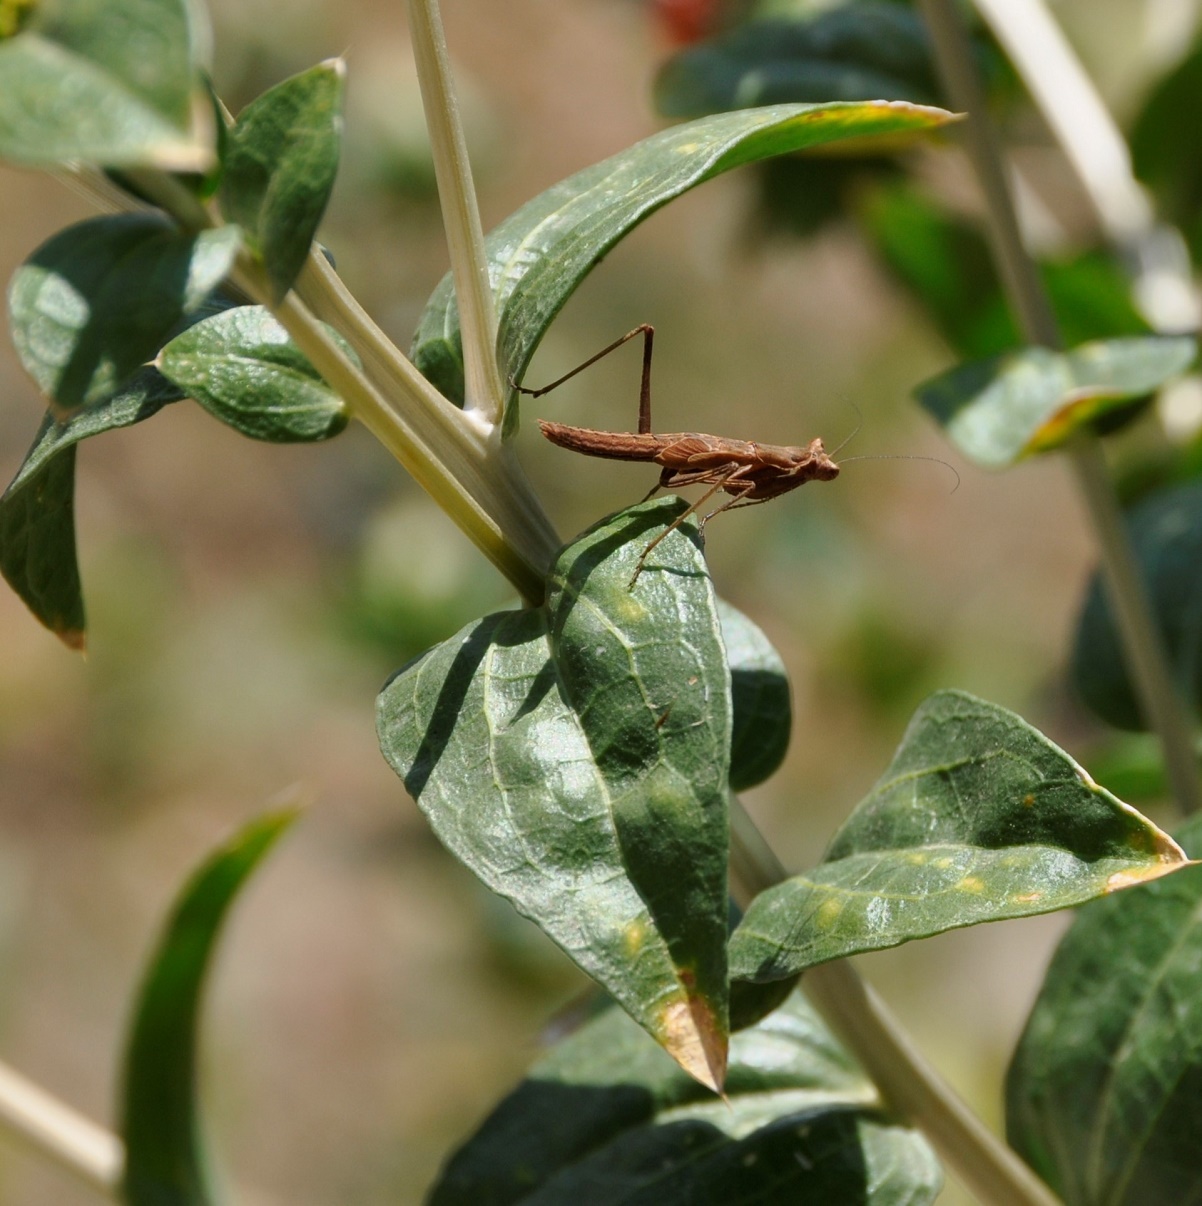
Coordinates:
column 37, row 511
column 865, row 51
column 978, row 818
column 762, row 707
column 1000, row 410
column 1166, row 147
column 164, row 1160
column 576, row 758
column 1104, row 1094
column 280, row 166
column 112, row 83
column 98, row 300
column 944, row 262
column 606, row 1118
column 1166, row 533
column 539, row 254
column 242, row 368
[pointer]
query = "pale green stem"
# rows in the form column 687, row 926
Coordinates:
column 54, row 1129
column 1095, row 148
column 458, row 459
column 484, row 392
column 1144, row 653
column 908, row 1084
column 464, row 469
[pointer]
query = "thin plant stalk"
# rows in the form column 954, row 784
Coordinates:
column 1095, row 148
column 54, row 1129
column 908, row 1084
column 484, row 394
column 1144, row 653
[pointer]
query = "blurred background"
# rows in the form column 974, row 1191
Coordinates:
column 246, row 602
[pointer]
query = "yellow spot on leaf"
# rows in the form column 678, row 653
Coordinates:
column 1026, row 898
column 828, row 911
column 1142, row 875
column 971, row 883
column 1028, row 801
column 942, row 863
column 634, row 937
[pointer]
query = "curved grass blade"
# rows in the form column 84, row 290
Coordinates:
column 1104, row 1094
column 97, row 301
column 114, row 84
column 539, row 254
column 164, row 1161
column 243, row 369
column 978, row 818
column 605, row 1117
column 576, row 758
column 279, row 168
column 1166, row 533
column 999, row 410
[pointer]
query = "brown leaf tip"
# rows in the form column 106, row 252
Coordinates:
column 691, row 1035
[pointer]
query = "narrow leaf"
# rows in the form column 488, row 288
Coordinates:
column 978, row 818
column 114, row 84
column 864, row 51
column 98, row 300
column 1104, row 1094
column 242, row 368
column 1166, row 533
column 576, row 758
column 280, row 165
column 999, row 410
column 606, row 1118
column 762, row 707
column 164, row 1162
column 539, row 254
column 37, row 511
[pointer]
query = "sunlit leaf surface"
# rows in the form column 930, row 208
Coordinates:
column 539, row 254
column 576, row 758
column 978, row 818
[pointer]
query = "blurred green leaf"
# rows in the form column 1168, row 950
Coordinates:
column 605, row 1117
column 539, row 254
column 112, row 83
column 944, row 262
column 866, row 51
column 1104, row 1093
column 164, row 1160
column 978, row 818
column 97, row 301
column 1000, row 410
column 576, row 758
column 242, row 368
column 1166, row 147
column 1166, row 533
column 37, row 511
column 761, row 703
column 280, row 164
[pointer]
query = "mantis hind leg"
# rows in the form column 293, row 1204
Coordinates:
column 648, row 333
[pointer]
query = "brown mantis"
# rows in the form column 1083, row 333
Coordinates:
column 750, row 473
